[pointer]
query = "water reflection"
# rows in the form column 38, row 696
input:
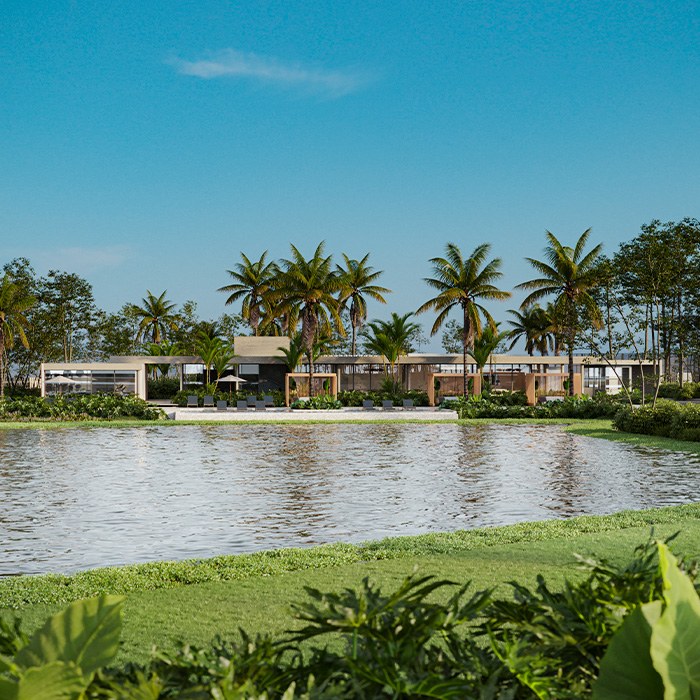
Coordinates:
column 73, row 499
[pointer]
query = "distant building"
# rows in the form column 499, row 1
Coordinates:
column 260, row 362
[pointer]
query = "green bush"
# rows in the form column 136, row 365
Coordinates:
column 542, row 643
column 646, row 420
column 318, row 403
column 79, row 407
column 686, row 425
column 673, row 390
column 577, row 407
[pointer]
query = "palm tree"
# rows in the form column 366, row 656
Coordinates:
column 214, row 352
column 357, row 280
column 310, row 286
column 13, row 303
column 484, row 345
column 464, row 283
column 568, row 274
column 390, row 339
column 155, row 316
column 273, row 321
column 552, row 329
column 532, row 325
column 251, row 281
column 294, row 353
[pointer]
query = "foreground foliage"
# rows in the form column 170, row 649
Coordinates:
column 623, row 631
column 72, row 408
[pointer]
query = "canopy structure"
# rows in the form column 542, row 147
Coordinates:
column 325, row 383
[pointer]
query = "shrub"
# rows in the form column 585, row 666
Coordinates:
column 318, row 403
column 80, row 407
column 686, row 425
column 646, row 420
column 577, row 407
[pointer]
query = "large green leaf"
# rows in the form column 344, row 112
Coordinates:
column 86, row 633
column 626, row 670
column 675, row 638
column 55, row 681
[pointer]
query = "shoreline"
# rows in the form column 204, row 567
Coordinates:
column 19, row 591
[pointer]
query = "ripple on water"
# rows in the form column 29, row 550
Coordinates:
column 74, row 499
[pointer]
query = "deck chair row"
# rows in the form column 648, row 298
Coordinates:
column 241, row 404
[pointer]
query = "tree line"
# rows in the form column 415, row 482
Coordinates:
column 640, row 300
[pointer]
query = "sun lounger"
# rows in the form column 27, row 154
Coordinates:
column 260, row 405
column 208, row 402
column 192, row 402
column 388, row 405
column 241, row 405
column 367, row 405
column 269, row 401
column 222, row 405
column 408, row 405
column 251, row 401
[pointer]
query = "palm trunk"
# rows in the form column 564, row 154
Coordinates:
column 571, row 370
column 353, row 352
column 465, row 345
column 309, row 357
column 2, row 363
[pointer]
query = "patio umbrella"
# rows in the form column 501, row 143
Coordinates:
column 60, row 379
column 232, row 379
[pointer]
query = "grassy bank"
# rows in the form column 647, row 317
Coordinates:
column 18, row 591
column 602, row 429
column 257, row 598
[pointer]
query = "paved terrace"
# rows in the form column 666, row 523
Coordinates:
column 287, row 414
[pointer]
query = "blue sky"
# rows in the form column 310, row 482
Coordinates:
column 145, row 145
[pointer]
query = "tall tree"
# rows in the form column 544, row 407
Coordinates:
column 156, row 316
column 357, row 281
column 567, row 274
column 23, row 362
column 251, row 282
column 71, row 307
column 13, row 305
column 464, row 283
column 311, row 285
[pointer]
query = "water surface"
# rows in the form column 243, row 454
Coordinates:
column 77, row 498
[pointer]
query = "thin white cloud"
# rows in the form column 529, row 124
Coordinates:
column 232, row 63
column 81, row 260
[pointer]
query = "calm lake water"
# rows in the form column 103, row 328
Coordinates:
column 73, row 499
